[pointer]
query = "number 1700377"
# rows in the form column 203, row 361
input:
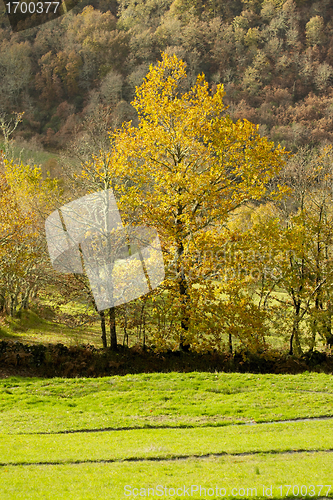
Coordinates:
column 32, row 7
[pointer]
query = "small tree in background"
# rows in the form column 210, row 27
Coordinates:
column 25, row 198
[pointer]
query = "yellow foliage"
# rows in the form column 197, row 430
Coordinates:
column 183, row 170
column 24, row 198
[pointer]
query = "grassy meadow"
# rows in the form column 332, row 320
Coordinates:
column 233, row 435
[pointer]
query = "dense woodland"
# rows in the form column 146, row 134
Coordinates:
column 245, row 226
column 274, row 58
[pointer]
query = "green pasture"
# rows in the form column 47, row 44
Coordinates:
column 246, row 474
column 159, row 400
column 30, row 154
column 248, row 435
column 30, row 328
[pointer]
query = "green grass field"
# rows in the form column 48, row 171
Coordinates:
column 167, row 435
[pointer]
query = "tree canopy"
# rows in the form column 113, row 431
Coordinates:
column 184, row 169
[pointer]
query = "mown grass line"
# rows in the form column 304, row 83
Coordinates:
column 108, row 480
column 162, row 459
column 117, row 429
column 166, row 443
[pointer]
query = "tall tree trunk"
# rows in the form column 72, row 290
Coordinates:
column 313, row 335
column 125, row 339
column 316, row 326
column 295, row 346
column 328, row 320
column 25, row 300
column 13, row 304
column 230, row 343
column 184, row 323
column 113, row 333
column 183, row 286
column 102, row 318
column 328, row 317
column 2, row 301
column 103, row 337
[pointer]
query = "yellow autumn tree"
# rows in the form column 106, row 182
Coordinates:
column 183, row 170
column 283, row 254
column 302, row 245
column 25, row 197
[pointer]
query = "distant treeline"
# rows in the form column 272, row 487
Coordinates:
column 275, row 59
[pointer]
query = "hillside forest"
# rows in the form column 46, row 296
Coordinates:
column 274, row 58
